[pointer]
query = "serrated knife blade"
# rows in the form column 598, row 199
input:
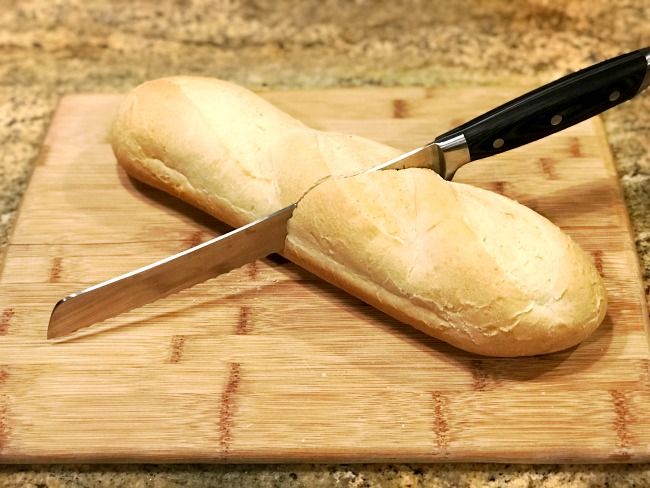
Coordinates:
column 190, row 267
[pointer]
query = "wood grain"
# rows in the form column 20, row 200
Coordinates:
column 268, row 363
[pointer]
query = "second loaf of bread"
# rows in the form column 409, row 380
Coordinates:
column 468, row 266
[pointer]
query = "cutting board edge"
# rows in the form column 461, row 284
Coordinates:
column 35, row 163
column 552, row 456
column 608, row 157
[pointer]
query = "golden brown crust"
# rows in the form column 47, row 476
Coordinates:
column 465, row 265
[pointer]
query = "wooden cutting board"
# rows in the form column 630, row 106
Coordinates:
column 270, row 363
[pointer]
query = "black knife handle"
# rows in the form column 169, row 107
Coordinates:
column 556, row 106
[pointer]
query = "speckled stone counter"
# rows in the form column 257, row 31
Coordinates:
column 48, row 49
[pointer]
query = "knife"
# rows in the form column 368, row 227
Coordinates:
column 532, row 116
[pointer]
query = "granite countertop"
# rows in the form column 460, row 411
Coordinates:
column 48, row 49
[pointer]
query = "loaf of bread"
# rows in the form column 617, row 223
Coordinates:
column 462, row 264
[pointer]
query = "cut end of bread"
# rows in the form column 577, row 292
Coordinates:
column 503, row 282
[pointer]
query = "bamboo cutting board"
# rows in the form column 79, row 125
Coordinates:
column 270, row 363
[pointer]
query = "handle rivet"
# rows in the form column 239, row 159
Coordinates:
column 556, row 119
column 498, row 143
column 615, row 95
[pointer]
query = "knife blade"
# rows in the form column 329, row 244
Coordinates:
column 192, row 266
column 174, row 273
column 187, row 268
column 532, row 116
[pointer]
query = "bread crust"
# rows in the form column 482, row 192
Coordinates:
column 465, row 265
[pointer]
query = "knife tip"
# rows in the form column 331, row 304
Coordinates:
column 52, row 326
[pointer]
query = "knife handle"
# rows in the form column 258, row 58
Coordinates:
column 555, row 106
